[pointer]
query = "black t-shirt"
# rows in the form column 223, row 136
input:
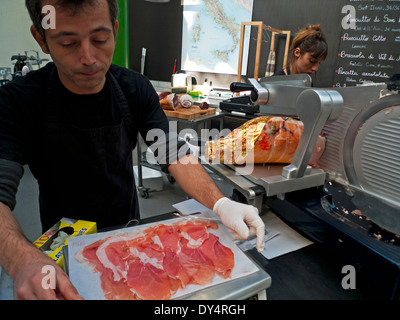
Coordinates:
column 282, row 72
column 23, row 105
column 89, row 111
column 23, row 109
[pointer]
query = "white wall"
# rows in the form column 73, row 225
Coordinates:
column 15, row 36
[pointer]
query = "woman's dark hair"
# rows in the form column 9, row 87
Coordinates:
column 35, row 10
column 310, row 39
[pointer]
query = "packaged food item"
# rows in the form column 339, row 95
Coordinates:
column 169, row 101
column 53, row 240
column 186, row 101
column 204, row 105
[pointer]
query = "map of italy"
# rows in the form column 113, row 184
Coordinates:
column 211, row 34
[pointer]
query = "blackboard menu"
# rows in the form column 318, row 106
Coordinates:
column 369, row 49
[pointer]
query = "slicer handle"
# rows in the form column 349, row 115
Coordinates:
column 239, row 86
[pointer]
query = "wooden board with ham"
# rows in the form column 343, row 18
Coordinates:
column 183, row 107
column 159, row 261
column 193, row 112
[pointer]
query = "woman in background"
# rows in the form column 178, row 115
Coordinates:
column 309, row 48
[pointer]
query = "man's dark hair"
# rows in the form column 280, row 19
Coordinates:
column 35, row 10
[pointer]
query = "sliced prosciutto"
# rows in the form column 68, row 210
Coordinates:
column 147, row 281
column 221, row 256
column 179, row 276
column 197, row 265
column 153, row 264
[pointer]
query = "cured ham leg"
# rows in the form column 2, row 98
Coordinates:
column 262, row 140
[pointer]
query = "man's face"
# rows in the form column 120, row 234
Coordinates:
column 81, row 46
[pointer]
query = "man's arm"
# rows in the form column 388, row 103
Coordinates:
column 240, row 219
column 195, row 181
column 23, row 263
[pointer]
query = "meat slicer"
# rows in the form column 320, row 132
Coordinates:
column 292, row 97
column 351, row 201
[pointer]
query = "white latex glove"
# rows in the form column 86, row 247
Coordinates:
column 242, row 220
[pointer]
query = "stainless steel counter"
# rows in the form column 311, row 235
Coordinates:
column 239, row 289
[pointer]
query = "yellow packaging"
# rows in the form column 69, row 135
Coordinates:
column 54, row 239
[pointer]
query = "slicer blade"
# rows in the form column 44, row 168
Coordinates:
column 383, row 212
column 363, row 151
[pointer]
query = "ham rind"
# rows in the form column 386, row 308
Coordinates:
column 154, row 263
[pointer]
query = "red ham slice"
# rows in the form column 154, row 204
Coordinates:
column 115, row 290
column 167, row 237
column 199, row 268
column 221, row 256
column 176, row 271
column 148, row 281
column 88, row 256
column 195, row 233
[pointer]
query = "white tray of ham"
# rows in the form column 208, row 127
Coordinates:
column 88, row 283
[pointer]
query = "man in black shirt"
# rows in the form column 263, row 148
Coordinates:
column 75, row 123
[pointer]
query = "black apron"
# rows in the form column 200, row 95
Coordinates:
column 87, row 174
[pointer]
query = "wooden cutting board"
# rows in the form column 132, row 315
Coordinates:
column 189, row 113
